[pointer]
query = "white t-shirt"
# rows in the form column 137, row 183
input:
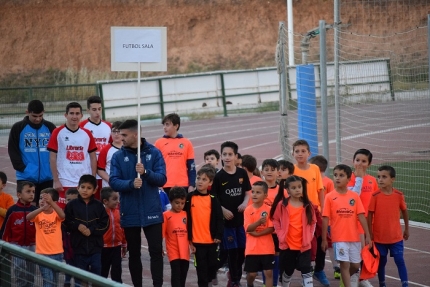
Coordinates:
column 73, row 150
column 104, row 160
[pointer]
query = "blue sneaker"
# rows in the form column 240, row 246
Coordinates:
column 320, row 277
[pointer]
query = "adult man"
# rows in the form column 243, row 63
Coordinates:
column 27, row 148
column 140, row 202
column 72, row 152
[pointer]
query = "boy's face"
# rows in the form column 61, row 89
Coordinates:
column 27, row 194
column 257, row 194
column 42, row 201
column 116, row 136
column 384, row 179
column 340, row 178
column 361, row 160
column 113, row 200
column 86, row 190
column 284, row 173
column 270, row 173
column 301, row 154
column 73, row 117
column 70, row 197
column 238, row 162
column 203, row 182
column 228, row 157
column 95, row 112
column 170, row 130
column 2, row 185
column 212, row 160
column 177, row 204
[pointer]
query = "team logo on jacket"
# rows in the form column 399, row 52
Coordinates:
column 240, row 180
column 181, row 145
column 148, row 157
column 126, row 159
column 184, row 220
column 352, row 202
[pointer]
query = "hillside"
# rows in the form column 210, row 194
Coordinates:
column 50, row 40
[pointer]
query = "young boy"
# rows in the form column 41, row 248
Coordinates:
column 249, row 164
column 18, row 230
column 286, row 169
column 178, row 153
column 71, row 193
column 341, row 208
column 239, row 160
column 212, row 157
column 47, row 219
column 87, row 221
column 270, row 172
column 259, row 251
column 315, row 188
column 328, row 184
column 176, row 237
column 100, row 129
column 105, row 155
column 205, row 226
column 232, row 188
column 6, row 200
column 362, row 159
column 115, row 245
column 383, row 219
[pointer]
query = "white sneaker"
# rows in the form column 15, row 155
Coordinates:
column 354, row 279
column 365, row 283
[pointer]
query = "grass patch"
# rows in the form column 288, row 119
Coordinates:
column 412, row 179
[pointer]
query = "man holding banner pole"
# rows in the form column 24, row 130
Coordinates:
column 140, row 206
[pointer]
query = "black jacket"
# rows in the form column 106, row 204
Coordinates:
column 93, row 215
column 216, row 224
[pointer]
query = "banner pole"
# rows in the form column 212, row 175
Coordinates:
column 138, row 115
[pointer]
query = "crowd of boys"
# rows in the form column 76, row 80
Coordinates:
column 71, row 178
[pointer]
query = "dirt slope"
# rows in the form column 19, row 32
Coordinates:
column 42, row 38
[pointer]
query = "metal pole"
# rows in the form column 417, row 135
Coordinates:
column 282, row 76
column 138, row 114
column 323, row 89
column 290, row 29
column 428, row 44
column 336, row 79
column 284, row 134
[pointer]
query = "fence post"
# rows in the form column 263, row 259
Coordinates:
column 99, row 90
column 224, row 102
column 160, row 89
column 323, row 90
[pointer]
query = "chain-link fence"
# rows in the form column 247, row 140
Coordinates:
column 377, row 87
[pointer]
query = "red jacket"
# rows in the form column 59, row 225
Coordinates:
column 16, row 228
column 281, row 221
column 114, row 236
